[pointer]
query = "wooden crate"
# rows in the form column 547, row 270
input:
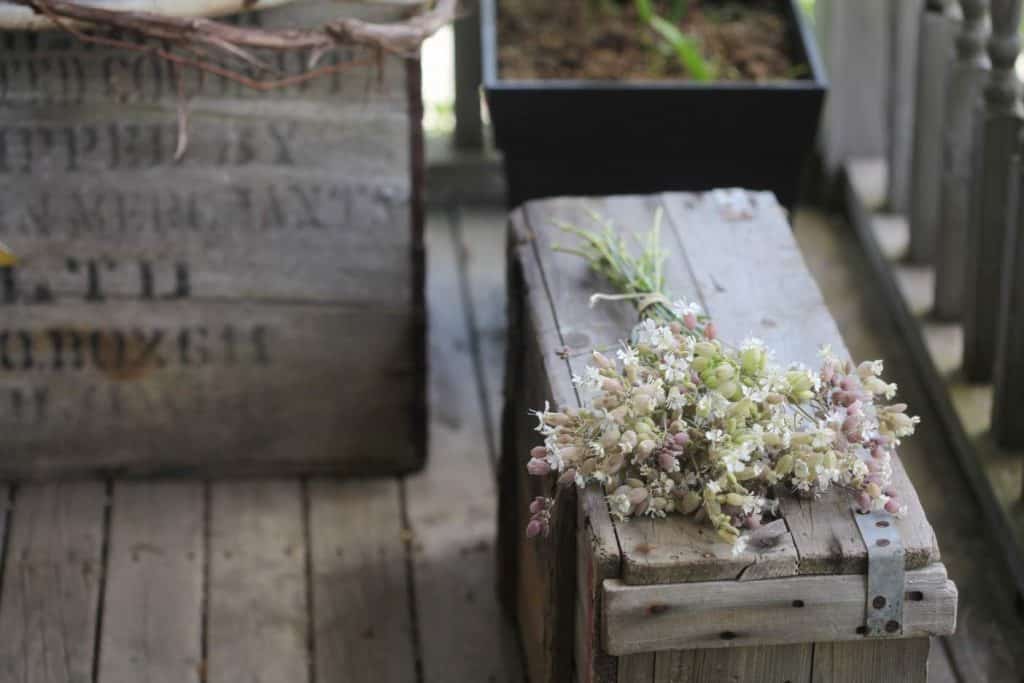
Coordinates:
column 257, row 306
column 661, row 601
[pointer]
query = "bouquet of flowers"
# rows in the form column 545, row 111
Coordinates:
column 679, row 421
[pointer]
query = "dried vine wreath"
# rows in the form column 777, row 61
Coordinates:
column 227, row 50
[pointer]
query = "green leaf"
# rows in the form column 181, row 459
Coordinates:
column 686, row 48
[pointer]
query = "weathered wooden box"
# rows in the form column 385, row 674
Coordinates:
column 642, row 600
column 254, row 307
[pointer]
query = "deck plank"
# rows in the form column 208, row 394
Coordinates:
column 258, row 613
column 51, row 585
column 362, row 617
column 451, row 505
column 480, row 235
column 152, row 614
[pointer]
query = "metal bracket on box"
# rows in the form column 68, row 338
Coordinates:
column 886, row 573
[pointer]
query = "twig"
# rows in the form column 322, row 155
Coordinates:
column 402, row 37
column 197, row 43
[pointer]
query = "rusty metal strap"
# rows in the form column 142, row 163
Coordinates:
column 886, row 571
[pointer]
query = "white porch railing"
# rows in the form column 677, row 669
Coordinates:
column 951, row 135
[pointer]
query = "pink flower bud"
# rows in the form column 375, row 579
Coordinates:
column 568, row 477
column 601, row 361
column 538, row 452
column 863, row 501
column 534, row 528
column 681, row 439
column 667, row 461
column 892, row 506
column 641, row 507
column 611, row 385
column 828, row 373
column 710, row 331
column 752, row 521
column 878, row 452
column 675, row 327
column 690, row 320
column 538, row 468
column 537, row 504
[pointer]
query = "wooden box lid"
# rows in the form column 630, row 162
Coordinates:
column 734, row 253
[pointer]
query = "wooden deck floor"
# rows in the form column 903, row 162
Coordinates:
column 321, row 580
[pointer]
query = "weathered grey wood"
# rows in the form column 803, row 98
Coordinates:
column 257, row 611
column 967, row 77
column 782, row 663
column 273, row 235
column 994, row 194
column 637, row 668
column 904, row 32
column 534, row 584
column 856, row 46
column 681, row 549
column 214, row 387
column 306, row 202
column 1008, row 405
column 481, row 236
column 363, row 627
column 153, row 602
column 883, row 661
column 51, row 584
column 451, row 505
column 52, row 67
column 935, row 53
column 828, row 541
column 793, row 610
column 733, row 294
column 598, row 558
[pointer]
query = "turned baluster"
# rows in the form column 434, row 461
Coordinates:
column 994, row 193
column 934, row 60
column 905, row 25
column 967, row 78
column 1008, row 406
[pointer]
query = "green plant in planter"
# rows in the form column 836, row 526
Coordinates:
column 686, row 48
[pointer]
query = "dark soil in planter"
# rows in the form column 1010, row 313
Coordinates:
column 595, row 40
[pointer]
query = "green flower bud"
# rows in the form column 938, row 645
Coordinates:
column 705, row 349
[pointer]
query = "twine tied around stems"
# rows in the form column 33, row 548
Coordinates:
column 644, row 299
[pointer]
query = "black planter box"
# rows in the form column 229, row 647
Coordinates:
column 579, row 137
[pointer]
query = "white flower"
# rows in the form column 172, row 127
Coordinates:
column 591, row 380
column 674, row 369
column 618, row 506
column 644, row 331
column 542, row 426
column 662, row 339
column 714, row 435
column 681, row 307
column 676, row 400
column 628, row 356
